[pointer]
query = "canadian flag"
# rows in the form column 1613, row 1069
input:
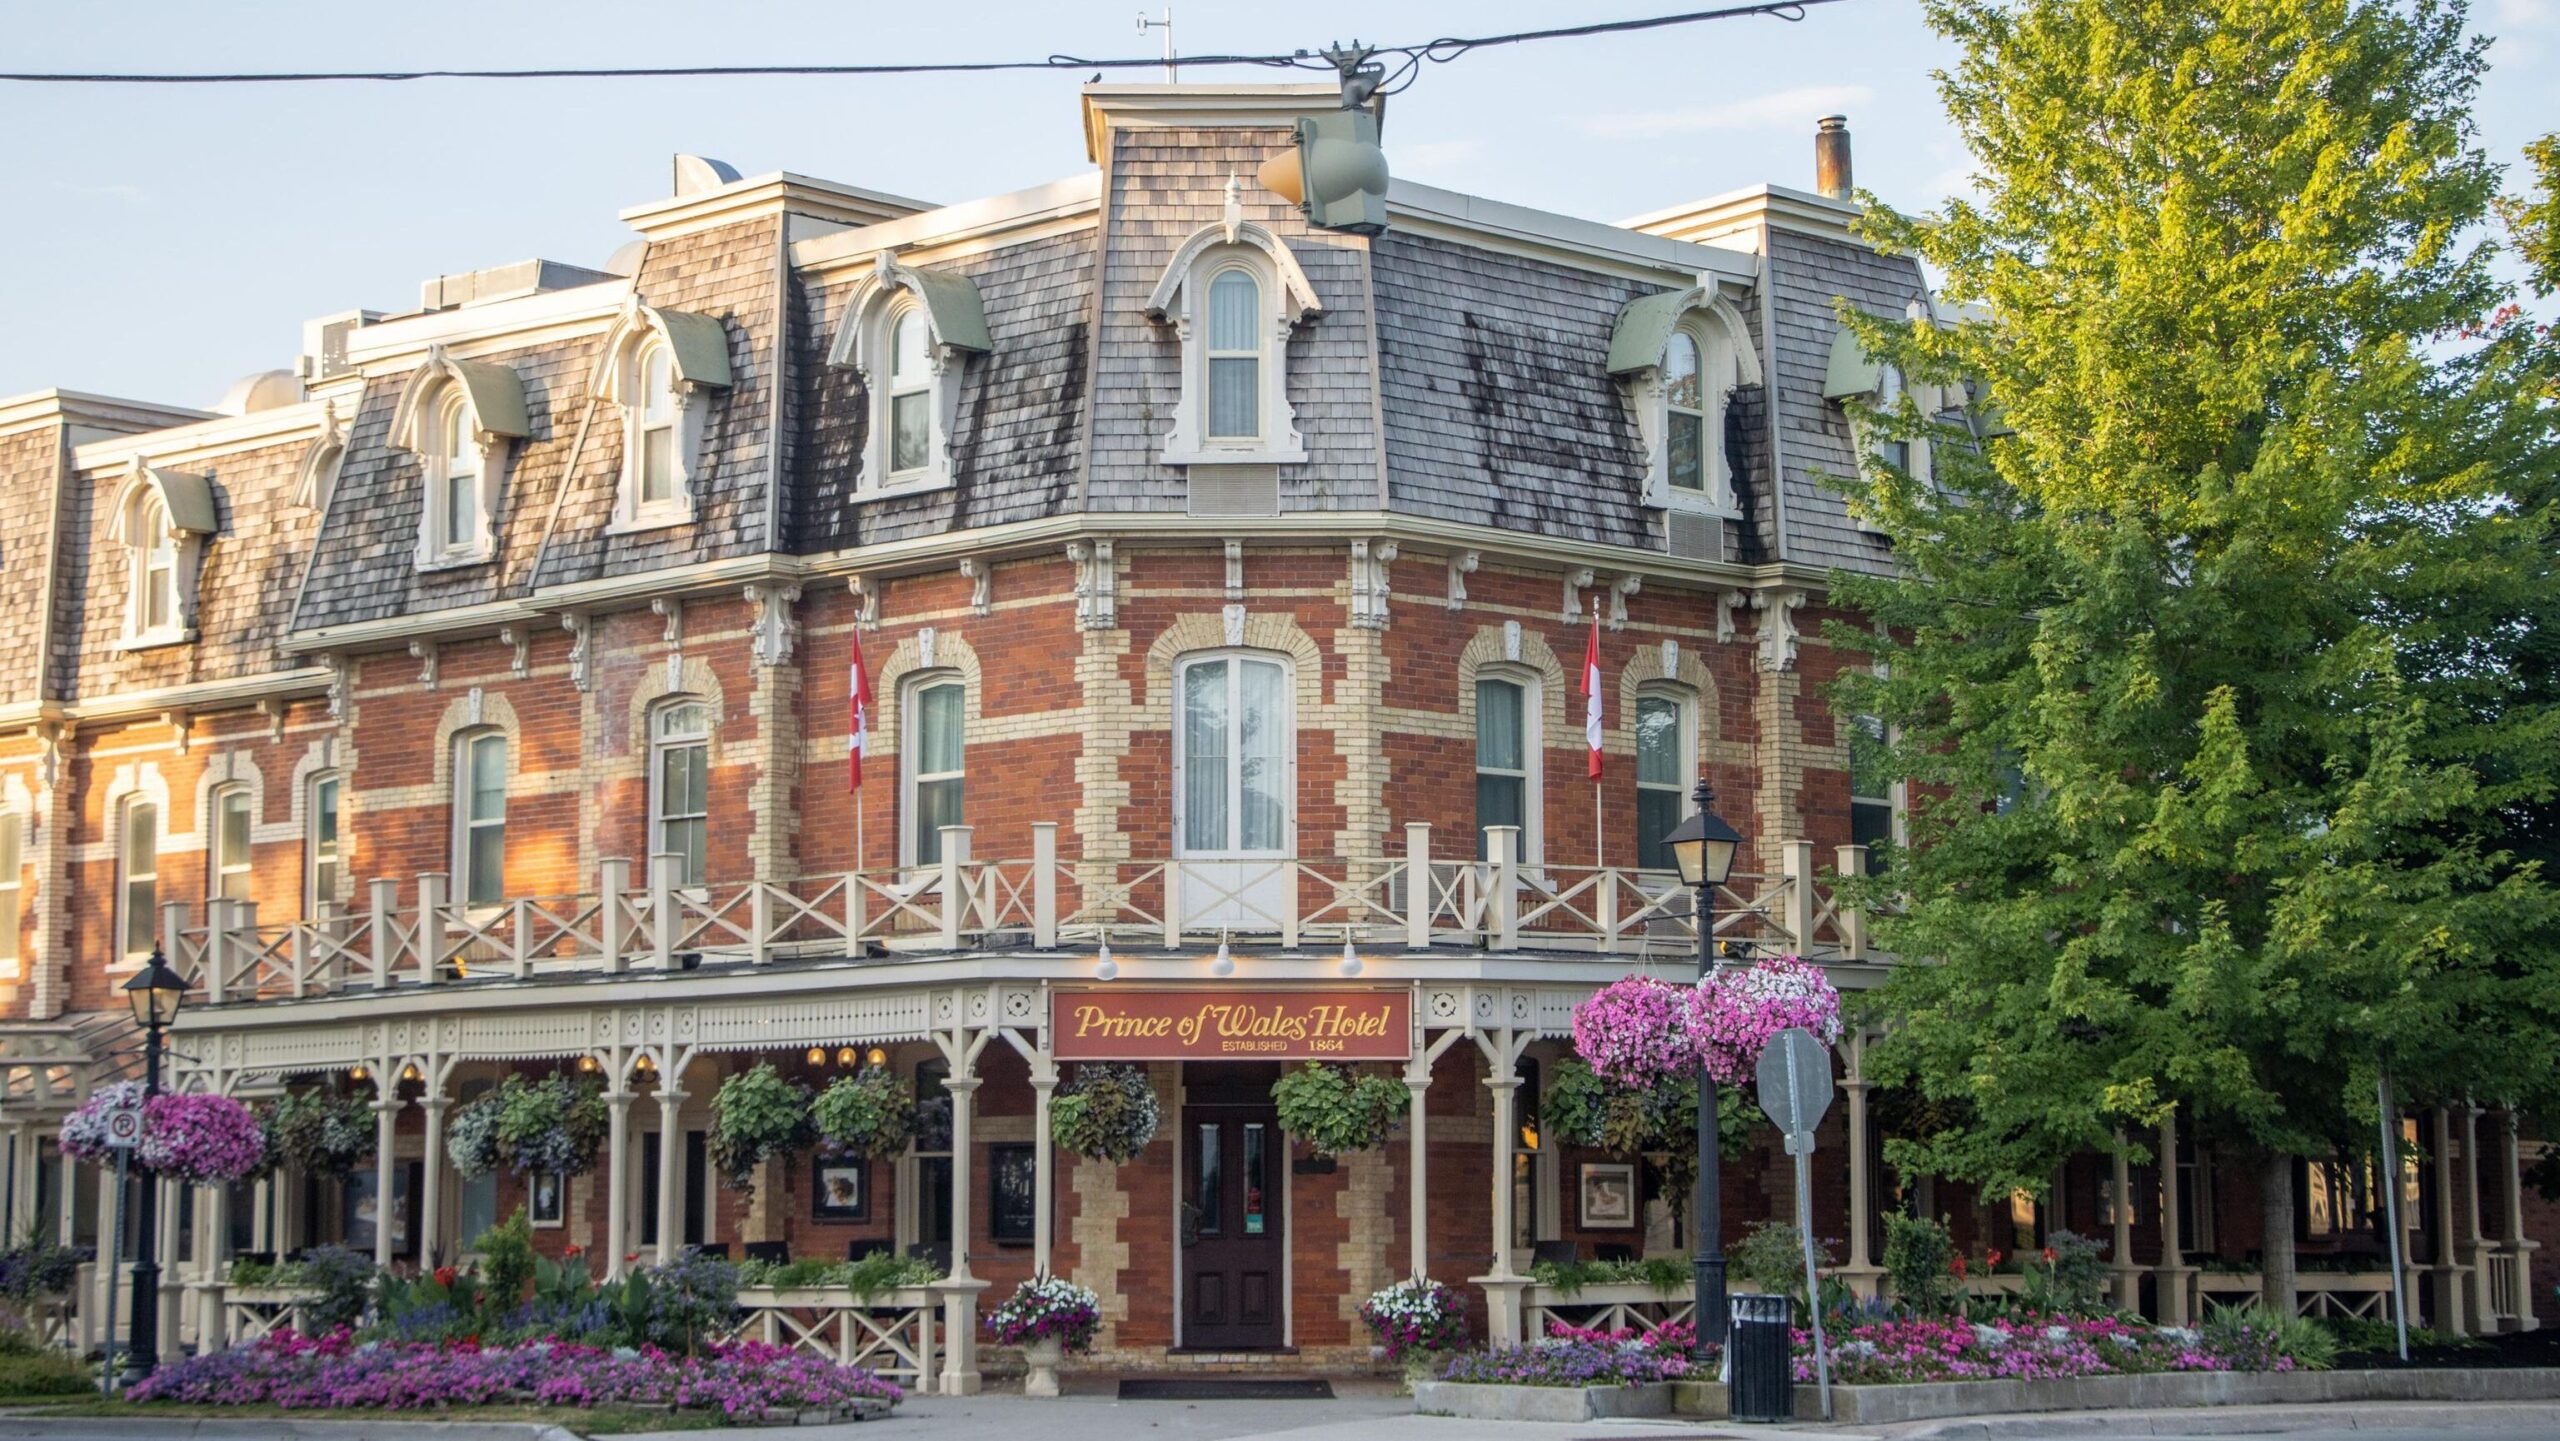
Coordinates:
column 1591, row 693
column 860, row 732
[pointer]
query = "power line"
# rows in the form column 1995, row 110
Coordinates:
column 1439, row 51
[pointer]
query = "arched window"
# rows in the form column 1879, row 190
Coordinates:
column 1235, row 356
column 1681, row 356
column 909, row 334
column 1507, row 760
column 480, row 818
column 155, row 568
column 138, row 876
column 453, row 480
column 680, row 785
column 1234, row 755
column 656, row 424
column 228, row 868
column 320, row 853
column 910, row 395
column 934, row 770
column 1874, row 794
column 1685, row 425
column 1666, row 765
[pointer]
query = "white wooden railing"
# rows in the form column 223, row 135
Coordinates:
column 249, row 1312
column 1416, row 897
column 891, row 1332
column 1617, row 1306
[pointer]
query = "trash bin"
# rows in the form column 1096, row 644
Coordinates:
column 1760, row 1380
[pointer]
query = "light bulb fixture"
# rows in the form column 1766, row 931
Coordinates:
column 408, row 1073
column 1224, row 964
column 1105, row 968
column 876, row 1057
column 1350, row 957
column 847, row 1056
column 587, row 1064
column 356, row 1073
column 645, row 1064
column 817, row 1055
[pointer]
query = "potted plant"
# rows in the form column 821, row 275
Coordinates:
column 1049, row 1318
column 1635, row 1031
column 196, row 1139
column 869, row 1113
column 1334, row 1110
column 1413, row 1321
column 1106, row 1112
column 757, row 1114
column 320, row 1132
column 553, row 1126
column 1732, row 1015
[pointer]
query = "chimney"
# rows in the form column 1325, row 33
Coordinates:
column 1831, row 158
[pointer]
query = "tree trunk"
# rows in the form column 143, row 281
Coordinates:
column 2275, row 1243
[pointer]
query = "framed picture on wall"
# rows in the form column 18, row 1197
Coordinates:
column 1608, row 1196
column 1012, row 1189
column 550, row 1200
column 842, row 1191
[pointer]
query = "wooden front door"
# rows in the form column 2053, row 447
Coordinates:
column 1234, row 1164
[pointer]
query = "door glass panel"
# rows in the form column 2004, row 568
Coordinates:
column 1213, row 1181
column 1204, row 756
column 1264, row 766
column 1253, row 1189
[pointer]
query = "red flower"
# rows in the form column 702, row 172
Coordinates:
column 574, row 1250
column 1991, row 1260
column 2048, row 1255
column 445, row 1275
column 630, row 1257
column 1959, row 1268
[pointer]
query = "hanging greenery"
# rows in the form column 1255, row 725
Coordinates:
column 552, row 1126
column 320, row 1132
column 1106, row 1112
column 869, row 1113
column 1336, row 1110
column 471, row 1138
column 1583, row 1108
column 757, row 1114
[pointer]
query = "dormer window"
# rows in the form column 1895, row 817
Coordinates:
column 1681, row 356
column 660, row 367
column 908, row 335
column 162, row 519
column 155, row 563
column 1234, row 297
column 458, row 417
column 1869, row 389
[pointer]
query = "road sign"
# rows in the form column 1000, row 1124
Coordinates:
column 124, row 1128
column 1795, row 1085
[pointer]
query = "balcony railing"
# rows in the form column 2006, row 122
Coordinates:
column 1416, row 899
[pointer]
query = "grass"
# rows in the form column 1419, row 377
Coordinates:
column 601, row 1421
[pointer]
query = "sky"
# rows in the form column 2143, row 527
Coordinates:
column 161, row 242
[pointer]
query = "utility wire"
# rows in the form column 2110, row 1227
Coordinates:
column 1439, row 51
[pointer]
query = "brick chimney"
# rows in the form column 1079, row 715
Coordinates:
column 1831, row 158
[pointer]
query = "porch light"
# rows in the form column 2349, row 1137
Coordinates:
column 1350, row 957
column 817, row 1055
column 1224, row 963
column 1704, row 845
column 156, row 992
column 876, row 1057
column 645, row 1065
column 357, row 1073
column 587, row 1064
column 847, row 1056
column 1105, row 968
column 408, row 1073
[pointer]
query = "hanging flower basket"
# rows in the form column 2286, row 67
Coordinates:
column 869, row 1113
column 84, row 1131
column 553, row 1126
column 197, row 1139
column 757, row 1114
column 471, row 1138
column 1635, row 1031
column 1336, row 1111
column 1732, row 1015
column 321, row 1133
column 1106, row 1112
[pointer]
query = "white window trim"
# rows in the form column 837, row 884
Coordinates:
column 1692, row 764
column 1533, row 753
column 217, row 863
column 125, row 876
column 436, row 549
column 692, row 406
column 415, row 427
column 911, row 690
column 1235, row 777
column 142, row 497
column 1181, row 298
column 1726, row 363
column 660, row 743
column 863, row 344
column 462, row 742
column 312, row 899
column 13, row 885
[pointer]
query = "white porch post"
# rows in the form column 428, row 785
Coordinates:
column 617, row 1176
column 213, row 1256
column 2450, row 1312
column 1502, row 1285
column 1417, row 1085
column 960, row 1289
column 2173, row 1262
column 2128, row 1276
column 2520, row 1248
column 1862, row 1272
column 670, row 1165
column 1044, row 1162
column 431, row 1179
column 386, row 1122
column 2476, row 1251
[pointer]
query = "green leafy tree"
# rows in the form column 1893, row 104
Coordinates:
column 2218, row 773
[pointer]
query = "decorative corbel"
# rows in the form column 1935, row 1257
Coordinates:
column 1777, row 627
column 775, row 626
column 1371, row 571
column 1726, row 603
column 1670, row 659
column 55, row 739
column 1235, row 570
column 179, row 722
column 981, row 575
column 1511, row 640
column 430, row 665
column 274, row 708
column 1097, row 608
column 1231, row 620
column 1461, row 565
column 519, row 641
column 866, row 601
column 1619, row 590
column 672, row 608
column 342, row 685
column 582, row 634
column 927, row 646
column 1576, row 581
column 1233, row 215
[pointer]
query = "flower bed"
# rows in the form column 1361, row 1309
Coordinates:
column 2021, row 1349
column 1577, row 1358
column 745, row 1382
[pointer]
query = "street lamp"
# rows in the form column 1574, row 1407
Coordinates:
column 156, row 992
column 1703, row 847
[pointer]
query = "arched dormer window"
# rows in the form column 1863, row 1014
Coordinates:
column 660, row 367
column 1235, row 298
column 458, row 417
column 1869, row 388
column 162, row 520
column 322, row 462
column 908, row 334
column 1680, row 356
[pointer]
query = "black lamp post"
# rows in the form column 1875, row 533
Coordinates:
column 1703, row 846
column 156, row 993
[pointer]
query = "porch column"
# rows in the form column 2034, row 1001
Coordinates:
column 2450, row 1313
column 960, row 1289
column 2476, row 1252
column 22, row 1186
column 1502, row 1286
column 2128, row 1276
column 1044, row 1161
column 431, row 1181
column 617, row 1176
column 386, row 1122
column 670, row 1167
column 1417, row 1085
column 2519, row 1247
column 2172, row 1271
column 213, row 1262
column 173, row 1282
column 1862, row 1273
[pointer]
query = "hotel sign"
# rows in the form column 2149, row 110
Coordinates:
column 1200, row 1025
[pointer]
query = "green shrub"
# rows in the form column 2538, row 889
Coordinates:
column 344, row 1279
column 46, row 1373
column 1771, row 1257
column 2252, row 1338
column 1664, row 1275
column 1920, row 1257
column 506, row 1261
column 2071, row 1277
column 873, row 1275
column 19, row 1341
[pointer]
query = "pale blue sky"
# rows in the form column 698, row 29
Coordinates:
column 161, row 242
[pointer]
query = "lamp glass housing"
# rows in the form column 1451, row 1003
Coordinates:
column 156, row 992
column 1703, row 846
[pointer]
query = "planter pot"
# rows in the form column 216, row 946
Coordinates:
column 1418, row 1367
column 1540, row 1403
column 1044, row 1356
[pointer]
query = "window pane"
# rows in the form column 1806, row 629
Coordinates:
column 1213, row 1180
column 1498, row 718
column 1265, row 766
column 1500, row 801
column 1867, row 762
column 1658, row 741
column 910, row 431
column 141, row 838
column 159, row 605
column 1235, row 401
column 1204, row 756
column 933, row 1107
column 907, row 360
column 680, row 780
column 141, row 890
column 657, row 389
column 1235, row 312
column 658, row 463
column 1254, row 1190
column 939, row 729
column 488, row 755
column 12, row 830
column 937, row 805
column 686, row 838
column 1686, row 451
column 235, row 828
column 461, row 511
column 324, row 816
column 486, row 861
column 1658, row 812
column 1680, row 372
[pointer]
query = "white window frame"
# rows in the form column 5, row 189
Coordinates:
column 1533, row 754
column 898, row 385
column 154, row 553
column 1183, row 843
column 1894, row 790
column 1287, row 301
column 457, row 452
column 663, row 737
column 911, row 772
column 464, row 746
column 13, row 846
column 1726, row 363
column 1686, row 701
column 1258, row 352
column 127, row 877
column 670, row 406
column 332, row 786
column 219, row 864
column 864, row 342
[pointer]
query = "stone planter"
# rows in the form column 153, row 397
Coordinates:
column 1043, row 1356
column 1932, row 1400
column 1540, row 1403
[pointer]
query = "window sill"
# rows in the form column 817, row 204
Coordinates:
column 153, row 640
column 1238, row 456
column 904, row 485
column 455, row 560
column 647, row 520
column 1695, row 505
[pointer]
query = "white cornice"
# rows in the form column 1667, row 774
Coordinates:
column 81, row 410
column 204, row 439
column 1121, row 104
column 390, row 632
column 1726, row 219
column 472, row 330
column 776, row 192
column 195, row 697
column 950, row 225
column 1448, row 213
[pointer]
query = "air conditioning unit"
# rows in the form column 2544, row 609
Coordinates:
column 1692, row 536
column 1235, row 490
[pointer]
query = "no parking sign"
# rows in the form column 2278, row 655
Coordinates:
column 124, row 1128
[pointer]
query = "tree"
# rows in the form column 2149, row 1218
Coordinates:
column 2176, row 657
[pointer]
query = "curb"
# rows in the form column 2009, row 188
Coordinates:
column 274, row 1428
column 2228, row 1421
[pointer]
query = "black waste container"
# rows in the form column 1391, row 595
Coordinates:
column 1760, row 1376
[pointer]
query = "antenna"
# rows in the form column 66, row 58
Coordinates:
column 1172, row 72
